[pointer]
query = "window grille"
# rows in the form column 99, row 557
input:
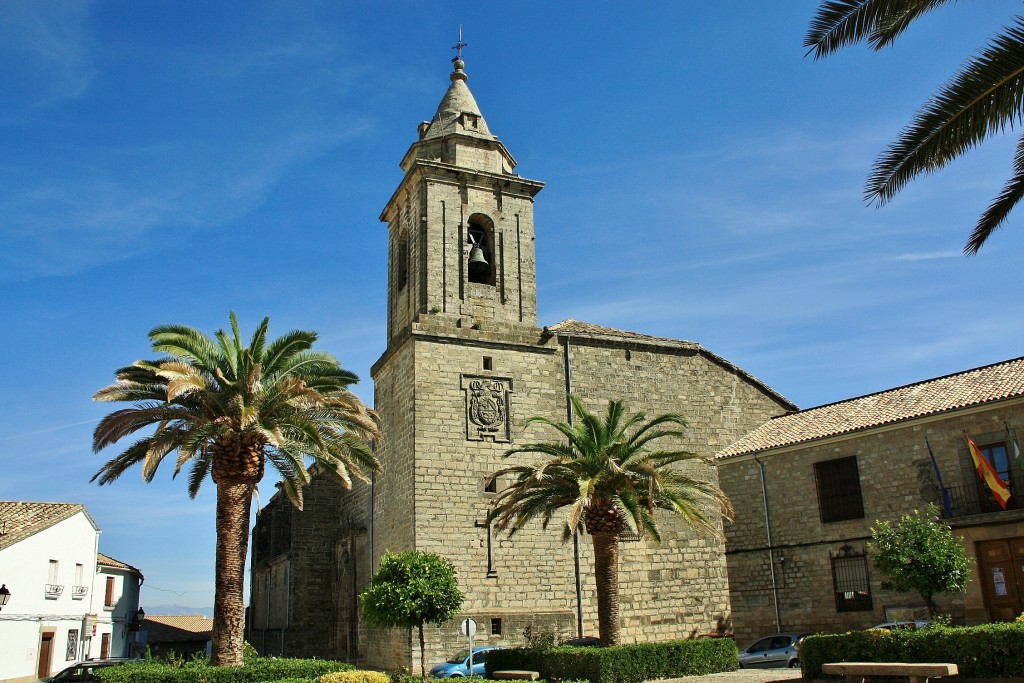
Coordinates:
column 851, row 583
column 72, row 651
column 838, row 484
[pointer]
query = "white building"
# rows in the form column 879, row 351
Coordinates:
column 58, row 612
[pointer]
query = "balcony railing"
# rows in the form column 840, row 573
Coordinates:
column 53, row 590
column 976, row 499
column 79, row 592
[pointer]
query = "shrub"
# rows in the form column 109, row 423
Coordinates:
column 622, row 663
column 259, row 670
column 989, row 651
column 355, row 677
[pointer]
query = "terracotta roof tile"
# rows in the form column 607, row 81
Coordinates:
column 986, row 384
column 169, row 628
column 19, row 519
column 108, row 561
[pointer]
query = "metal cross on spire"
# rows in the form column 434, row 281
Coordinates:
column 459, row 45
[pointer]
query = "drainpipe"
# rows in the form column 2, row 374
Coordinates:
column 576, row 532
column 771, row 558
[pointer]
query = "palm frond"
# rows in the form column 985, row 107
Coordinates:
column 983, row 98
column 1000, row 208
column 185, row 342
column 840, row 23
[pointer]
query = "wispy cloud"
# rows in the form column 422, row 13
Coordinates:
column 49, row 39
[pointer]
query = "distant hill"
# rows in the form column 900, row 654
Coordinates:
column 178, row 609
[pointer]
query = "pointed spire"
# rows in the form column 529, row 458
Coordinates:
column 458, row 111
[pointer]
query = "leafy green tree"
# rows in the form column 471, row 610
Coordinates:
column 410, row 589
column 984, row 97
column 227, row 409
column 608, row 477
column 920, row 555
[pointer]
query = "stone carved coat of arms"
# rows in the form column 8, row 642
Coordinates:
column 487, row 408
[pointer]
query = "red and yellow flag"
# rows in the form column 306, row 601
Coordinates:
column 1000, row 490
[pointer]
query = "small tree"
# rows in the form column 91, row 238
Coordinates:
column 410, row 589
column 920, row 555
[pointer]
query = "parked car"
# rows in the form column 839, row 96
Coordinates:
column 777, row 650
column 83, row 672
column 584, row 641
column 458, row 666
column 905, row 625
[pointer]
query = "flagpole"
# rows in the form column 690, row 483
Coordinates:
column 946, row 505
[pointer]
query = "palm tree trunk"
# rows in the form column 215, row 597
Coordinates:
column 606, row 573
column 234, row 497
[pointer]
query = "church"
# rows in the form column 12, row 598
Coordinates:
column 465, row 366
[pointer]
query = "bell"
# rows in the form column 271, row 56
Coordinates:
column 478, row 264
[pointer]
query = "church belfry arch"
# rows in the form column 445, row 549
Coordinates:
column 482, row 257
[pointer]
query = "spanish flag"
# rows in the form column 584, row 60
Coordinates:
column 988, row 474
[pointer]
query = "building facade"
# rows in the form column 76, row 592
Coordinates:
column 56, row 615
column 466, row 366
column 809, row 486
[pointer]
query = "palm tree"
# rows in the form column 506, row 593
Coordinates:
column 984, row 97
column 609, row 477
column 227, row 409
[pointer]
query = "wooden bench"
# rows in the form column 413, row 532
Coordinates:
column 858, row 672
column 515, row 675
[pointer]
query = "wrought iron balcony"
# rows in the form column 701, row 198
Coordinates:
column 976, row 499
column 79, row 592
column 53, row 590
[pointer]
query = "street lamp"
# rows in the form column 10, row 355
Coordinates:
column 136, row 623
column 5, row 595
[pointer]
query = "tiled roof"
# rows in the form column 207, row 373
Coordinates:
column 108, row 561
column 578, row 328
column 960, row 390
column 19, row 519
column 177, row 627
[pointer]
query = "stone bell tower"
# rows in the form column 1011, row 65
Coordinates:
column 465, row 365
column 460, row 225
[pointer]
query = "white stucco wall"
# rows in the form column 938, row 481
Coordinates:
column 25, row 569
column 114, row 617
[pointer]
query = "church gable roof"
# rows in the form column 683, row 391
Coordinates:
column 609, row 335
column 960, row 390
column 19, row 519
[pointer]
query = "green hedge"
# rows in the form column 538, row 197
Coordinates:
column 623, row 663
column 989, row 651
column 259, row 670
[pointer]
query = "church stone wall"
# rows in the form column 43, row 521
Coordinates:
column 523, row 580
column 296, row 612
column 679, row 588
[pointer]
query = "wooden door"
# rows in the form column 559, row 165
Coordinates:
column 45, row 654
column 1001, row 571
column 105, row 646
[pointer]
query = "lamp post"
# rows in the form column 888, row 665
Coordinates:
column 5, row 595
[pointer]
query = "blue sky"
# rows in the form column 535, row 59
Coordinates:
column 173, row 161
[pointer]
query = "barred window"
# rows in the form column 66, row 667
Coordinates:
column 838, row 483
column 851, row 584
column 72, row 651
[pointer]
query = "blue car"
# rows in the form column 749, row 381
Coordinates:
column 458, row 666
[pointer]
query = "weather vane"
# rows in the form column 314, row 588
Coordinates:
column 459, row 45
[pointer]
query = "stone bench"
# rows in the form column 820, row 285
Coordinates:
column 858, row 672
column 515, row 675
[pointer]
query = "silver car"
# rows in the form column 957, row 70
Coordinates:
column 778, row 650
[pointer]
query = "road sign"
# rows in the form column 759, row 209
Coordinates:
column 468, row 627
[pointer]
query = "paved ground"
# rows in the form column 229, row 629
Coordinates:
column 744, row 676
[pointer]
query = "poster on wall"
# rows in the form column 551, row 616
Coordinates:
column 999, row 581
